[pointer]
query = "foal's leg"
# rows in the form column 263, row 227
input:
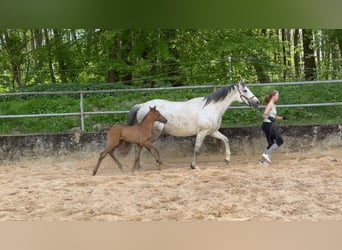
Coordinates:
column 153, row 150
column 135, row 153
column 112, row 144
column 137, row 158
column 199, row 140
column 217, row 134
column 111, row 153
column 101, row 157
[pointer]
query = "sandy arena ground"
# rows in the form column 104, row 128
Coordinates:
column 295, row 187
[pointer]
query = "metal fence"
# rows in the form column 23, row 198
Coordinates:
column 83, row 113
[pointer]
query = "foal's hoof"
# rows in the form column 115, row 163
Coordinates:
column 159, row 166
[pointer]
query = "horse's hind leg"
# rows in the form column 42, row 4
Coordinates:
column 225, row 140
column 101, row 157
column 199, row 140
column 111, row 153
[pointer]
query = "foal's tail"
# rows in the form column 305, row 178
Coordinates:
column 131, row 120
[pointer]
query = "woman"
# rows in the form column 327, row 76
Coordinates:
column 269, row 127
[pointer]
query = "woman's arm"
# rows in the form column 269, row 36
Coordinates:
column 267, row 110
column 278, row 117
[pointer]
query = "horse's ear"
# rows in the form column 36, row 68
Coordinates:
column 153, row 108
column 242, row 82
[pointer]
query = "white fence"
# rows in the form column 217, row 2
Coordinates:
column 83, row 113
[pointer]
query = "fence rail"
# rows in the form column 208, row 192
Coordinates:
column 83, row 113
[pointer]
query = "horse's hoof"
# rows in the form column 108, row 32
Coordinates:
column 194, row 167
column 226, row 161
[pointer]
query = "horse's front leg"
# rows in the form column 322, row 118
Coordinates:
column 199, row 140
column 218, row 135
column 137, row 158
column 156, row 132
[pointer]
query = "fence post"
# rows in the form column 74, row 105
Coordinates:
column 82, row 111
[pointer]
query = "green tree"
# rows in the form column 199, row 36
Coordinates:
column 14, row 44
column 161, row 57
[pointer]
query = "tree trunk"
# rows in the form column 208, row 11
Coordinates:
column 296, row 56
column 309, row 58
column 113, row 74
column 13, row 44
column 259, row 66
column 338, row 35
column 60, row 55
column 17, row 73
column 286, row 42
column 37, row 44
column 50, row 61
column 260, row 69
column 283, row 39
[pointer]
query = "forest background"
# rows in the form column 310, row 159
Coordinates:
column 89, row 59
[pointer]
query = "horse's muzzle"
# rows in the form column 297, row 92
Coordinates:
column 254, row 103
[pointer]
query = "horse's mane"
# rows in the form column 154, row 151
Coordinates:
column 219, row 94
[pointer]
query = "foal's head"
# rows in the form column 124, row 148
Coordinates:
column 156, row 115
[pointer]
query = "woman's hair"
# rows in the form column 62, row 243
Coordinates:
column 270, row 95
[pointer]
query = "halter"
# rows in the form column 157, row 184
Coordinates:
column 243, row 97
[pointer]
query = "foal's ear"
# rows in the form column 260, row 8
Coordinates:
column 154, row 108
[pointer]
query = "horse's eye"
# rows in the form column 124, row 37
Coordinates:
column 245, row 90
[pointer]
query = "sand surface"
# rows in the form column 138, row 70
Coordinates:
column 295, row 187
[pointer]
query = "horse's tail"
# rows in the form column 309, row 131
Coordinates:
column 132, row 115
column 131, row 120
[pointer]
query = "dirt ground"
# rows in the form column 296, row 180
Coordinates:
column 295, row 187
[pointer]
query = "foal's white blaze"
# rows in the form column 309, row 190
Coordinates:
column 200, row 116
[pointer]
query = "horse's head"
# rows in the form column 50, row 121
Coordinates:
column 246, row 95
column 157, row 115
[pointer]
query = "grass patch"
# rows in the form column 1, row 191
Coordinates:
column 66, row 103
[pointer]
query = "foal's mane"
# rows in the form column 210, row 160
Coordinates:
column 219, row 94
column 146, row 116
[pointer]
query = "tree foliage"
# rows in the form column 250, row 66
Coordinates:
column 166, row 57
column 92, row 59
